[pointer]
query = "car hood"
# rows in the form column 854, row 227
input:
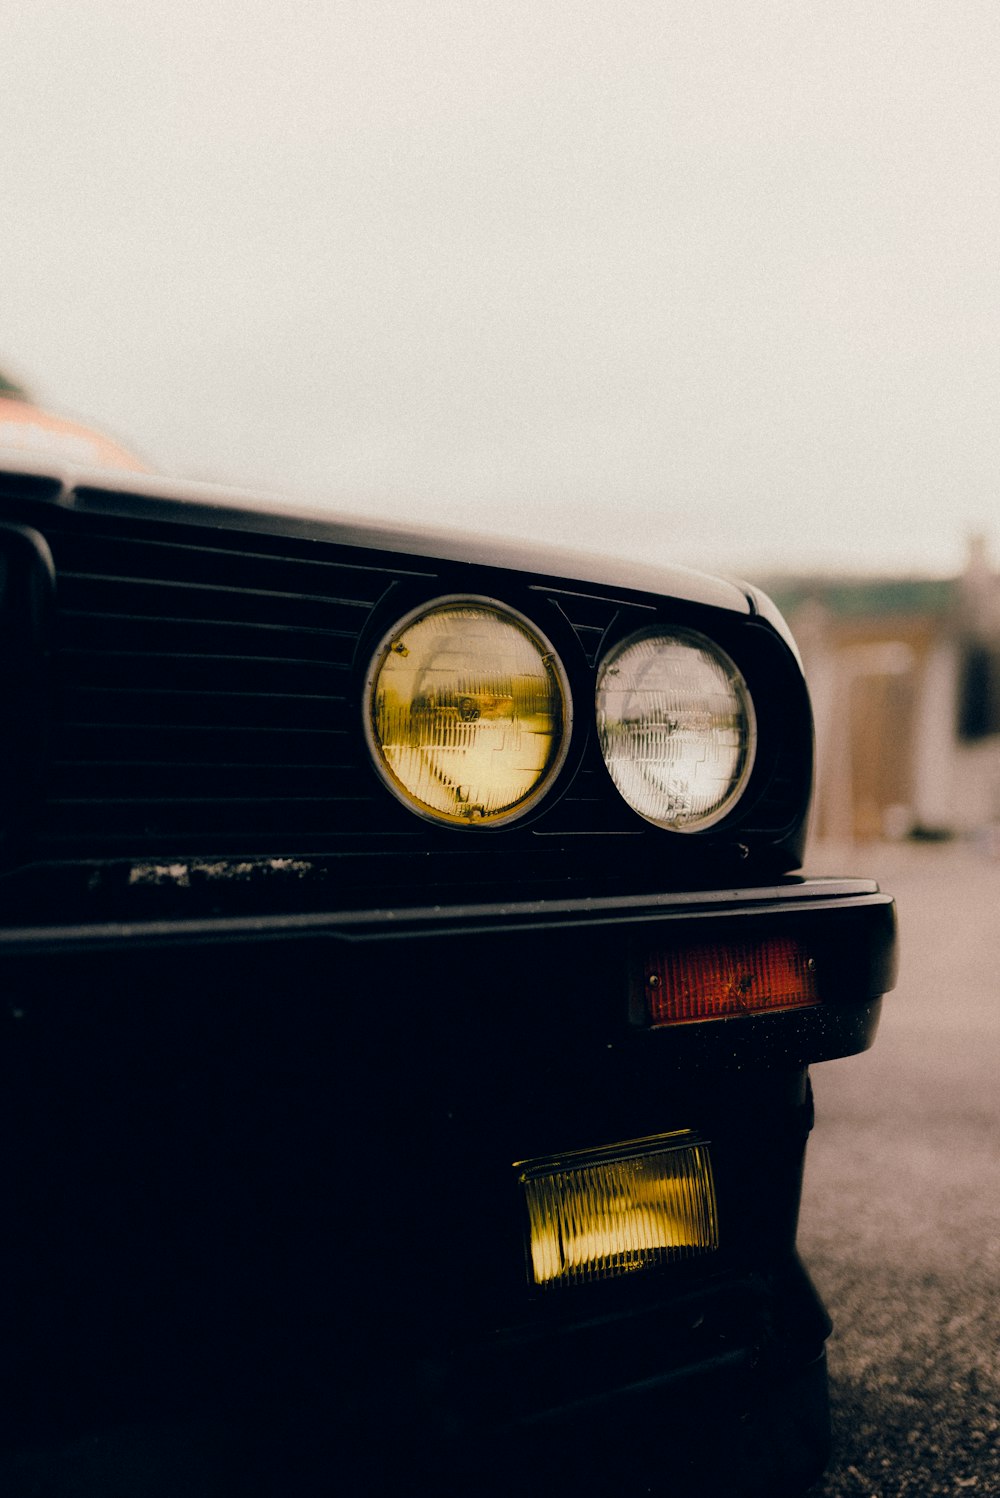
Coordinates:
column 106, row 491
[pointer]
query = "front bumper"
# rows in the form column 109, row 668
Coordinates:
column 269, row 1155
column 718, row 1389
column 848, row 924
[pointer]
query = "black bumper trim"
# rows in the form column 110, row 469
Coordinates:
column 792, row 898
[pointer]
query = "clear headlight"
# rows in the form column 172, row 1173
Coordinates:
column 467, row 712
column 676, row 727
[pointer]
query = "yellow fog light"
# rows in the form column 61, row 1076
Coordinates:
column 601, row 1214
column 467, row 712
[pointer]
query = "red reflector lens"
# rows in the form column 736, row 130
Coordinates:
column 716, row 980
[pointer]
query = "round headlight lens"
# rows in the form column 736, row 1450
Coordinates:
column 467, row 712
column 676, row 727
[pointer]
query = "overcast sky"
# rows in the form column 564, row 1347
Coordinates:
column 714, row 280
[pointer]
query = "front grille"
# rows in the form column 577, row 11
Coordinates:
column 205, row 703
column 206, row 707
column 202, row 699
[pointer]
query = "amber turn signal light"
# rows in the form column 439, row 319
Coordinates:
column 725, row 978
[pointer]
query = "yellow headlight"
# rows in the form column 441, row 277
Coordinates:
column 467, row 712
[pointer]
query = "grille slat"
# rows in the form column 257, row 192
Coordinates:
column 192, row 824
column 206, row 781
column 88, row 743
column 199, row 602
column 94, row 550
column 266, row 594
column 108, row 708
column 97, row 633
column 112, row 671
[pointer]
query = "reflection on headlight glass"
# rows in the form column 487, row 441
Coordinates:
column 676, row 727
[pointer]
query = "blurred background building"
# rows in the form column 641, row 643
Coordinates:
column 905, row 680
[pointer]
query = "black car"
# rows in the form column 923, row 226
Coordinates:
column 408, row 1000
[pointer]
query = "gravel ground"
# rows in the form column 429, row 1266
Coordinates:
column 901, row 1215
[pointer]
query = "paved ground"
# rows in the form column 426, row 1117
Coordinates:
column 901, row 1215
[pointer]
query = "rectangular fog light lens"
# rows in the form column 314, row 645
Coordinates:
column 726, row 978
column 602, row 1214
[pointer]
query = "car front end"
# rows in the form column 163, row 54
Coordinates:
column 410, row 989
